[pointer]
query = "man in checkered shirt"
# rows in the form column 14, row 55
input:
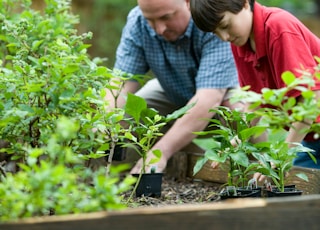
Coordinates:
column 189, row 66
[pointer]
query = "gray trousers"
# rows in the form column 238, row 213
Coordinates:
column 155, row 97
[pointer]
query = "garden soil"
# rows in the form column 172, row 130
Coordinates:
column 188, row 191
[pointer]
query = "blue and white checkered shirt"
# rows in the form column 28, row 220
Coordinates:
column 197, row 60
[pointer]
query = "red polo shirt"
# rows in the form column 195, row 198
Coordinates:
column 283, row 43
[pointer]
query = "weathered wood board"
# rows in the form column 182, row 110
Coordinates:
column 301, row 212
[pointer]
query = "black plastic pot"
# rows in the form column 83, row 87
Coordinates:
column 150, row 185
column 241, row 193
column 119, row 153
column 289, row 190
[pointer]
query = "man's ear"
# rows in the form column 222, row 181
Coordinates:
column 188, row 3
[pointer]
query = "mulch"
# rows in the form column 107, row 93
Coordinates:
column 188, row 191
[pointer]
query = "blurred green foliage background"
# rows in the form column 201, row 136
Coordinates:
column 106, row 18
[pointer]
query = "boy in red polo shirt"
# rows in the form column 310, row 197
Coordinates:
column 266, row 42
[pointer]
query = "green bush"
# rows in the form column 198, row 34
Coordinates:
column 51, row 101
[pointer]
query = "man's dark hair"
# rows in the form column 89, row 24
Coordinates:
column 207, row 14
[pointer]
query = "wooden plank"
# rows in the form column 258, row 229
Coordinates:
column 177, row 166
column 312, row 186
column 301, row 212
column 207, row 173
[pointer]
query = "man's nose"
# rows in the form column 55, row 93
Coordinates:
column 159, row 27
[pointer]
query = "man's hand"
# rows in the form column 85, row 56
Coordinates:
column 159, row 166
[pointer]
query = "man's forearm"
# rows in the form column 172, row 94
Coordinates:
column 196, row 119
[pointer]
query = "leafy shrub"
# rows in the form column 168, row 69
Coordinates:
column 51, row 102
column 59, row 184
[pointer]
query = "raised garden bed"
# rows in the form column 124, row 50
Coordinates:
column 274, row 213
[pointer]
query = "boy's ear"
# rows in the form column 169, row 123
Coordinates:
column 247, row 4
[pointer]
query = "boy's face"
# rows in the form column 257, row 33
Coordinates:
column 169, row 18
column 236, row 28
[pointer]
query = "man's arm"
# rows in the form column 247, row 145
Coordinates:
column 181, row 133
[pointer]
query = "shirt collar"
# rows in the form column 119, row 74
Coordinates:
column 259, row 30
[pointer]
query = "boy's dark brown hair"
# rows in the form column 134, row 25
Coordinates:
column 207, row 14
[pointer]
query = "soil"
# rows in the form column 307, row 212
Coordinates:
column 188, row 191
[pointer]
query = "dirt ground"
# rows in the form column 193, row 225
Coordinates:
column 179, row 192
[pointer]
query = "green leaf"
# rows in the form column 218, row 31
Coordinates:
column 254, row 131
column 199, row 164
column 288, row 77
column 134, row 106
column 179, row 113
column 206, row 143
column 240, row 158
column 36, row 44
column 302, row 176
column 215, row 156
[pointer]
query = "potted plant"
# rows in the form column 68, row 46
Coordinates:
column 144, row 130
column 275, row 160
column 278, row 111
column 232, row 125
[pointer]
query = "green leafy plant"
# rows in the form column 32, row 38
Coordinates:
column 146, row 126
column 46, row 75
column 232, row 125
column 278, row 112
column 275, row 158
column 59, row 183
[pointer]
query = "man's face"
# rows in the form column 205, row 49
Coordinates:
column 236, row 28
column 169, row 18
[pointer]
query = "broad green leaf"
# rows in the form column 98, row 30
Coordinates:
column 206, row 143
column 254, row 131
column 199, row 164
column 288, row 77
column 302, row 176
column 134, row 106
column 179, row 113
column 240, row 158
column 215, row 156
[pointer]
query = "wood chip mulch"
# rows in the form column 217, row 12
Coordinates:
column 179, row 192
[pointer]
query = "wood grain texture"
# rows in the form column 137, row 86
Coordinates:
column 300, row 212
